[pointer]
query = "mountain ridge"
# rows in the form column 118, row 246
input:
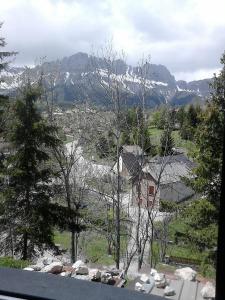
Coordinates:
column 67, row 75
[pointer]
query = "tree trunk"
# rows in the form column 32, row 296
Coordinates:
column 76, row 245
column 24, row 251
column 73, row 258
column 11, row 242
column 117, row 252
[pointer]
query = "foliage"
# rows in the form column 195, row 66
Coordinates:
column 200, row 218
column 27, row 196
column 166, row 143
column 4, row 54
column 96, row 251
column 159, row 118
column 168, row 206
column 10, row 262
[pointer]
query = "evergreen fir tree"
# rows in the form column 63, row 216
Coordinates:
column 27, row 199
column 3, row 65
column 209, row 139
column 166, row 142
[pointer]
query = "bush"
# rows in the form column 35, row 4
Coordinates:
column 13, row 263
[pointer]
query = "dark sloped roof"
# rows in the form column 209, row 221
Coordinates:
column 175, row 191
column 131, row 163
column 170, row 168
column 179, row 158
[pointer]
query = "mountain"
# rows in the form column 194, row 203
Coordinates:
column 77, row 78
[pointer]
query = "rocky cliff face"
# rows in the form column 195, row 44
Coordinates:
column 81, row 76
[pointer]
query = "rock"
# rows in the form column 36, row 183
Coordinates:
column 161, row 284
column 65, row 274
column 138, row 286
column 208, row 291
column 47, row 260
column 95, row 274
column 77, row 264
column 186, row 273
column 65, row 260
column 37, row 267
column 114, row 272
column 82, row 270
column 107, row 278
column 159, row 276
column 81, row 277
column 153, row 272
column 28, row 269
column 54, row 268
column 147, row 287
column 160, row 280
column 169, row 291
column 67, row 269
column 144, row 278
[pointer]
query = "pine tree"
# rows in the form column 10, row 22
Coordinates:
column 202, row 215
column 166, row 142
column 181, row 116
column 3, row 65
column 27, row 198
column 209, row 139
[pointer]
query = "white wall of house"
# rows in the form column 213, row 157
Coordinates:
column 121, row 165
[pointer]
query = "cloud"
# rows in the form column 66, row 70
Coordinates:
column 188, row 36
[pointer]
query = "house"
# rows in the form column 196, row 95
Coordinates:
column 130, row 161
column 162, row 179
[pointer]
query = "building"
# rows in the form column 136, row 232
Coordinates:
column 162, row 178
column 130, row 161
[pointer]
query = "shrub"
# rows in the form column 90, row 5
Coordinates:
column 13, row 263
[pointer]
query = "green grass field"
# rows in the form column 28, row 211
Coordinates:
column 95, row 248
column 62, row 238
column 178, row 141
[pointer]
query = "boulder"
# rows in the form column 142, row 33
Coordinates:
column 208, row 291
column 159, row 276
column 147, row 287
column 65, row 274
column 37, row 267
column 114, row 272
column 81, row 277
column 153, row 272
column 169, row 291
column 160, row 280
column 77, row 264
column 161, row 284
column 138, row 286
column 107, row 278
column 82, row 270
column 65, row 260
column 95, row 274
column 186, row 273
column 67, row 269
column 47, row 260
column 144, row 278
column 54, row 268
column 28, row 269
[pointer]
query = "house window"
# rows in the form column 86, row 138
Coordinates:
column 151, row 190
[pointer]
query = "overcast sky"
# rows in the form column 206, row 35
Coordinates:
column 188, row 36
